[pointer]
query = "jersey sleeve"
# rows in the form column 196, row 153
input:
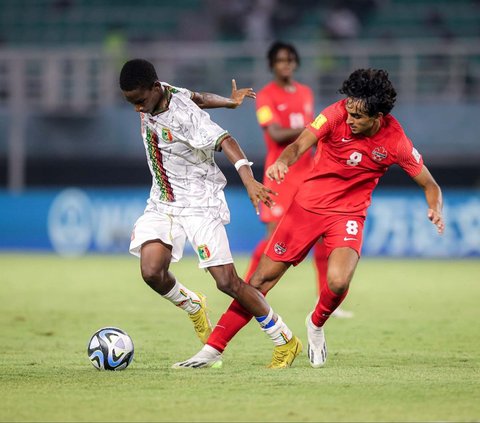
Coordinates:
column 408, row 158
column 326, row 122
column 202, row 132
column 266, row 112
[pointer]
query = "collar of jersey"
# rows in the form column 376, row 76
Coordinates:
column 168, row 95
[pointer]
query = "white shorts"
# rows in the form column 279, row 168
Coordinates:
column 206, row 235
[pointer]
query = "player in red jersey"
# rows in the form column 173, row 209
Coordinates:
column 284, row 106
column 357, row 141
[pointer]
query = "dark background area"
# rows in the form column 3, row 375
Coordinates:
column 60, row 59
column 134, row 172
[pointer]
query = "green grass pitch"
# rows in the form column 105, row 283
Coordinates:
column 411, row 353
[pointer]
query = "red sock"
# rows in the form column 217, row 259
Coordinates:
column 328, row 300
column 326, row 304
column 236, row 317
column 256, row 256
column 321, row 264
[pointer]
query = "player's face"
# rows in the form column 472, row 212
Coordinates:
column 145, row 100
column 359, row 121
column 285, row 64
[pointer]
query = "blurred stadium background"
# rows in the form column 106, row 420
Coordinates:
column 72, row 164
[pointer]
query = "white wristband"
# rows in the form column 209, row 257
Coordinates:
column 242, row 162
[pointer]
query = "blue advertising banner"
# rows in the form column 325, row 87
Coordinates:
column 76, row 221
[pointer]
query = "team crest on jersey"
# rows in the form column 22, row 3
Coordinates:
column 280, row 248
column 167, row 135
column 203, row 252
column 379, row 154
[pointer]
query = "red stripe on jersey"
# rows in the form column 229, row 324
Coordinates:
column 159, row 171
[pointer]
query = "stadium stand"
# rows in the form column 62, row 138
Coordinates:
column 54, row 22
column 424, row 19
column 59, row 62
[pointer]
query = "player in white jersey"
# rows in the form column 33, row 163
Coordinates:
column 187, row 201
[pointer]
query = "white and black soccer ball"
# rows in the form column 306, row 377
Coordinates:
column 110, row 349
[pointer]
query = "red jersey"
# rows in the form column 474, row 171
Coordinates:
column 289, row 109
column 347, row 167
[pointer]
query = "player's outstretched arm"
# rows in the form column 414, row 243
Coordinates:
column 212, row 101
column 278, row 170
column 433, row 195
column 282, row 135
column 256, row 191
column 238, row 95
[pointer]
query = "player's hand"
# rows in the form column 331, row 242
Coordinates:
column 277, row 171
column 239, row 94
column 260, row 193
column 436, row 218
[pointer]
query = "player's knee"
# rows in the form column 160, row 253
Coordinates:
column 258, row 281
column 226, row 280
column 154, row 275
column 227, row 286
column 338, row 283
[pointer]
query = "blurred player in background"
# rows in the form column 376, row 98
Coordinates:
column 187, row 199
column 357, row 141
column 284, row 106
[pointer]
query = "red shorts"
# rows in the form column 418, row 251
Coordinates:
column 300, row 229
column 286, row 191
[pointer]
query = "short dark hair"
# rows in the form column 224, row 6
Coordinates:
column 137, row 73
column 276, row 47
column 373, row 88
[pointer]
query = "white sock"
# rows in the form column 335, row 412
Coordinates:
column 313, row 325
column 184, row 298
column 278, row 331
column 207, row 352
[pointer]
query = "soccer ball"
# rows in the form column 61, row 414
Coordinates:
column 110, row 349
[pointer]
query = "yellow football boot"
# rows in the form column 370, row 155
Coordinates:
column 201, row 321
column 283, row 355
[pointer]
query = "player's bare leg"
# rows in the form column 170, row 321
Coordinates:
column 287, row 346
column 155, row 260
column 253, row 301
column 266, row 276
column 341, row 267
column 320, row 260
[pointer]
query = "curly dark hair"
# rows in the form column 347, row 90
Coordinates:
column 276, row 47
column 137, row 73
column 373, row 88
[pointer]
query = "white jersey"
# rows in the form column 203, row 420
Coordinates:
column 180, row 143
